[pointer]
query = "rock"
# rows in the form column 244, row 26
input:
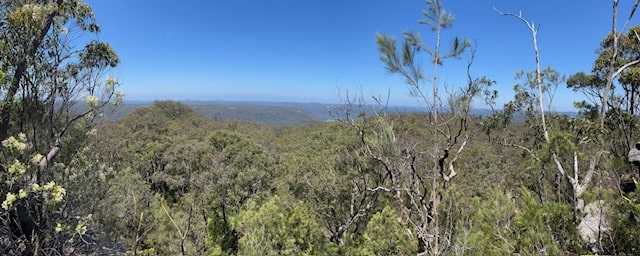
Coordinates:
column 595, row 225
column 634, row 154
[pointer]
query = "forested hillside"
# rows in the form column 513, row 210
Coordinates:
column 167, row 180
column 270, row 113
column 257, row 112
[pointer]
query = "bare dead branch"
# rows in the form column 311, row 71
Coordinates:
column 534, row 33
column 183, row 236
column 631, row 13
column 529, row 151
column 452, row 171
column 379, row 188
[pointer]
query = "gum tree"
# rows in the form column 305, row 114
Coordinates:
column 43, row 75
column 576, row 148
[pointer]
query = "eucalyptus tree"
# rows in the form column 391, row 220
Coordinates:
column 622, row 103
column 329, row 171
column 614, row 68
column 42, row 76
column 575, row 147
column 618, row 59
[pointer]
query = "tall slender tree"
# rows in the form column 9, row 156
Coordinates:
column 448, row 132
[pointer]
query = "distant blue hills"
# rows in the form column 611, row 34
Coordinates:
column 270, row 113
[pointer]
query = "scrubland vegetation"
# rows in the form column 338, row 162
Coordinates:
column 165, row 180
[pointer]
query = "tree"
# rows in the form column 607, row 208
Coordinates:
column 622, row 105
column 614, row 70
column 567, row 147
column 384, row 235
column 557, row 144
column 491, row 229
column 240, row 170
column 280, row 226
column 42, row 77
column 626, row 218
column 327, row 168
column 414, row 184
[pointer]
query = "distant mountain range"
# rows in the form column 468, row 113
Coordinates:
column 259, row 112
column 270, row 113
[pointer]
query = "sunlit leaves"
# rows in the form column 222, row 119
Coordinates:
column 387, row 46
column 386, row 235
column 581, row 80
column 405, row 62
column 281, row 226
column 492, row 229
column 437, row 17
column 99, row 55
column 458, row 47
column 32, row 16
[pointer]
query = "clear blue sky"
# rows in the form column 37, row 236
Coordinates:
column 309, row 51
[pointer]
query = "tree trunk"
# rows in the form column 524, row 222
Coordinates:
column 6, row 106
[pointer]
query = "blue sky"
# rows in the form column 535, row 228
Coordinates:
column 310, row 51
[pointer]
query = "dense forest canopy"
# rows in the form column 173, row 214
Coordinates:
column 166, row 180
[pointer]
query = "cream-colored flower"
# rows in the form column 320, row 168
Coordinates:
column 22, row 194
column 17, row 167
column 90, row 115
column 110, row 81
column 58, row 194
column 81, row 228
column 8, row 201
column 58, row 227
column 49, row 186
column 92, row 101
column 16, row 144
column 36, row 159
column 118, row 97
column 35, row 13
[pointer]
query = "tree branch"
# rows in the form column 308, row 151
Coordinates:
column 534, row 32
column 529, row 151
column 379, row 188
column 20, row 69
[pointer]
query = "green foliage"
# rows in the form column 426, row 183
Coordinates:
column 46, row 224
column 544, row 228
column 165, row 180
column 321, row 175
column 244, row 168
column 386, row 235
column 527, row 97
column 324, row 166
column 404, row 61
column 279, row 227
column 222, row 238
column 44, row 73
column 383, row 139
column 492, row 228
column 626, row 223
column 98, row 54
column 561, row 142
column 239, row 152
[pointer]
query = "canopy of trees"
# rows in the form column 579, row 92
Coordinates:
column 165, row 180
